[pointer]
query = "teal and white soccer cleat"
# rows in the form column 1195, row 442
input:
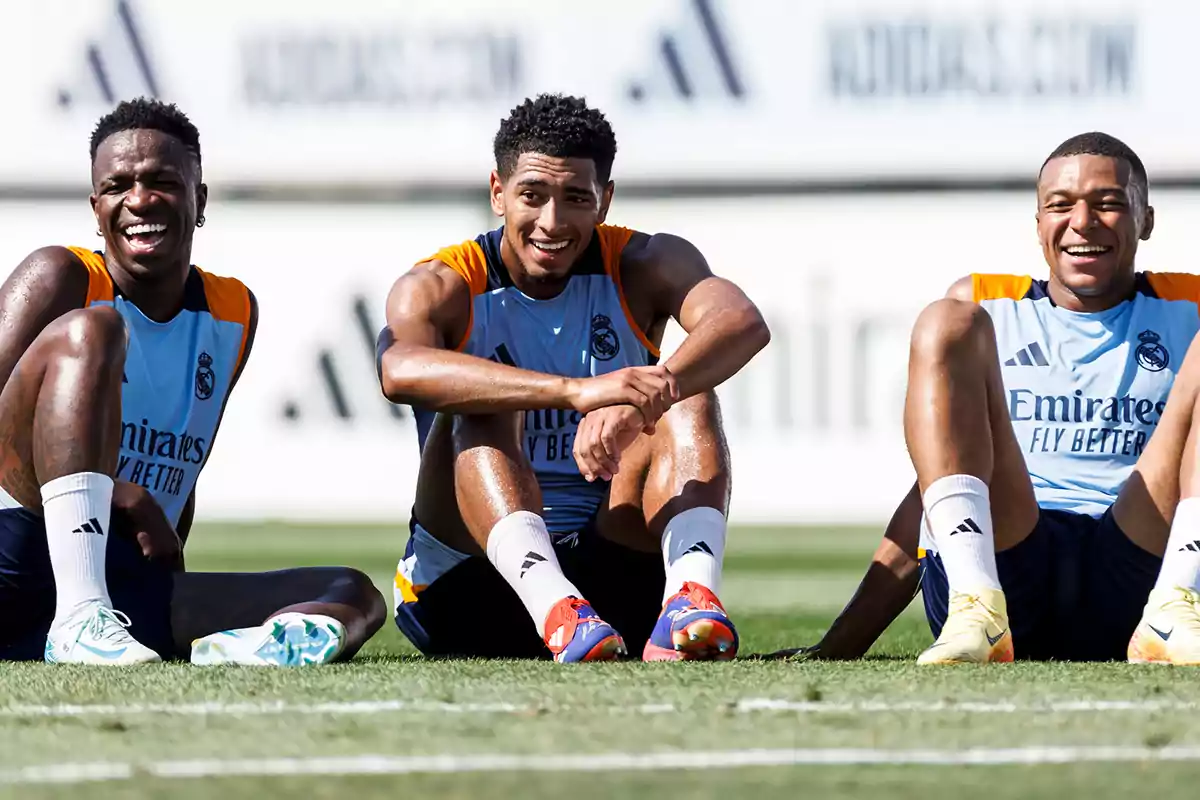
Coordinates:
column 285, row 640
column 96, row 634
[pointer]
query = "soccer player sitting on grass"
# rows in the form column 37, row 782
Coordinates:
column 116, row 368
column 1054, row 427
column 564, row 470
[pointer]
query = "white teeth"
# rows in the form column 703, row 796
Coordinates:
column 1086, row 249
column 550, row 246
column 138, row 230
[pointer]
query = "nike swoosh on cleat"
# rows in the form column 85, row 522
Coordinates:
column 1165, row 636
column 109, row 654
column 991, row 640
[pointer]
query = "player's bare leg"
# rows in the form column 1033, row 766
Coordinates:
column 1159, row 510
column 500, row 504
column 974, row 485
column 290, row 617
column 60, row 428
column 671, row 494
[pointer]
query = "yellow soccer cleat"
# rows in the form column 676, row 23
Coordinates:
column 1169, row 632
column 976, row 631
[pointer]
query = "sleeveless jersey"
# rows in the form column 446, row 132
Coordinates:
column 1085, row 391
column 177, row 379
column 585, row 331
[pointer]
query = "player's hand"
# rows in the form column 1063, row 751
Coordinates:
column 135, row 512
column 603, row 436
column 651, row 390
column 791, row 654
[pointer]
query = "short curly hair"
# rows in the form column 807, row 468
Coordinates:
column 1097, row 143
column 145, row 113
column 559, row 126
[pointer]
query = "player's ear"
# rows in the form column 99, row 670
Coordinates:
column 496, row 188
column 201, row 200
column 606, row 197
column 1147, row 224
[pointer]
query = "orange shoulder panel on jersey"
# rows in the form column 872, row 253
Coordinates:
column 100, row 285
column 229, row 301
column 468, row 260
column 999, row 287
column 1175, row 285
column 612, row 242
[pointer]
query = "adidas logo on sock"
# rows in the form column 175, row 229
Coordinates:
column 91, row 526
column 531, row 559
column 1030, row 355
column 1194, row 546
column 967, row 526
column 699, row 547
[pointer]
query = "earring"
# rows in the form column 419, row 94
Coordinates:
column 200, row 221
column 98, row 233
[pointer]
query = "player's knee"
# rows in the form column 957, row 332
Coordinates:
column 498, row 431
column 948, row 327
column 96, row 335
column 696, row 419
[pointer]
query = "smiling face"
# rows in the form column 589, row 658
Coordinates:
column 551, row 207
column 1092, row 212
column 147, row 196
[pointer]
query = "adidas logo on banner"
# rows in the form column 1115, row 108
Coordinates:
column 531, row 559
column 699, row 547
column 1030, row 355
column 91, row 526
column 116, row 65
column 968, row 525
column 693, row 60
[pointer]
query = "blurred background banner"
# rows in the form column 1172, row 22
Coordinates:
column 842, row 161
column 409, row 91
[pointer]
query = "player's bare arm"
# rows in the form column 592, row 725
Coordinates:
column 892, row 578
column 666, row 277
column 428, row 314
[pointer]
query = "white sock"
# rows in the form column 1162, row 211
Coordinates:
column 959, row 513
column 693, row 546
column 519, row 548
column 1181, row 562
column 76, row 509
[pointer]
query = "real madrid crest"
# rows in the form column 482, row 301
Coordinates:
column 1150, row 353
column 205, row 379
column 605, row 344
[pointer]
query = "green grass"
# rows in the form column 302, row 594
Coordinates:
column 783, row 586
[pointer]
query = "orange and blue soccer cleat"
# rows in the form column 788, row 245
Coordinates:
column 693, row 626
column 574, row 632
column 1169, row 632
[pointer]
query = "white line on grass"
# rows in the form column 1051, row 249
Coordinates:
column 747, row 706
column 967, row 707
column 601, row 762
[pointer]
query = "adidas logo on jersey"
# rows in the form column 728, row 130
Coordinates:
column 699, row 547
column 968, row 525
column 91, row 526
column 1194, row 546
column 531, row 559
column 1030, row 355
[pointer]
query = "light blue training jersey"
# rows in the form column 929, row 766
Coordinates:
column 1085, row 391
column 585, row 331
column 177, row 379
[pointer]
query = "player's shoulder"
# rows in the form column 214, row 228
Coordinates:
column 1171, row 285
column 466, row 260
column 227, row 298
column 980, row 286
column 65, row 276
column 639, row 249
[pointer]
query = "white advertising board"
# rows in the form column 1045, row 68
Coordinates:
column 813, row 422
column 410, row 92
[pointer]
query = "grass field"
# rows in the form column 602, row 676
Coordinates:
column 391, row 724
